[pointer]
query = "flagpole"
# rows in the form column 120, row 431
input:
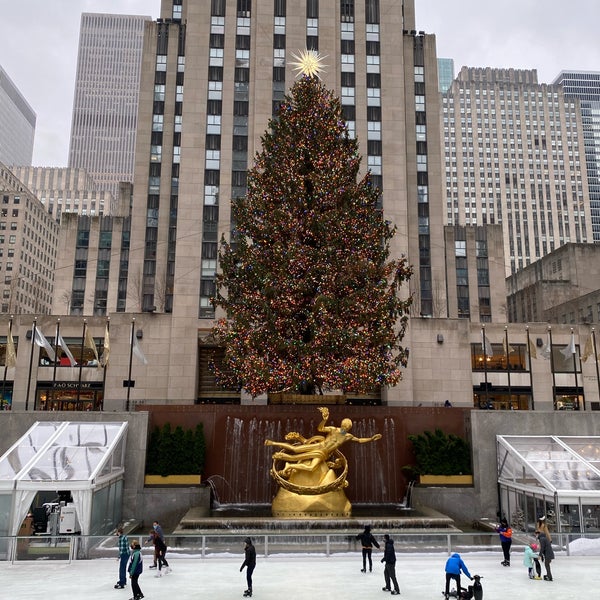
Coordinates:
column 483, row 345
column 33, row 327
column 10, row 322
column 530, row 368
column 552, row 369
column 105, row 367
column 81, row 362
column 130, row 361
column 572, row 342
column 55, row 357
column 596, row 360
column 507, row 353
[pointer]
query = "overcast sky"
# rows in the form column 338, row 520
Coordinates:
column 38, row 46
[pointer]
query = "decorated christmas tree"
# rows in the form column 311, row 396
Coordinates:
column 312, row 299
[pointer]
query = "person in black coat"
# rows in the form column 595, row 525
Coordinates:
column 367, row 541
column 249, row 563
column 546, row 553
column 389, row 573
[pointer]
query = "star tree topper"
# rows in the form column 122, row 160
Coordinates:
column 309, row 63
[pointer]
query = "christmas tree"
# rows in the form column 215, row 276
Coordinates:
column 311, row 296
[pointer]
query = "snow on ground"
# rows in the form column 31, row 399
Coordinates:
column 297, row 577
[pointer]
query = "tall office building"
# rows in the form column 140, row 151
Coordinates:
column 28, row 247
column 212, row 76
column 445, row 73
column 585, row 87
column 514, row 155
column 104, row 121
column 65, row 190
column 17, row 124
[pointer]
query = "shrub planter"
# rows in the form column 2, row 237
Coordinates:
column 171, row 480
column 446, row 479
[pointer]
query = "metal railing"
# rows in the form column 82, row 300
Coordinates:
column 215, row 544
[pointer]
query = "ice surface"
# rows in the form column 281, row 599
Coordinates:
column 298, row 577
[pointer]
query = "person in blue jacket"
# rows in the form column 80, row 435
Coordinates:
column 454, row 566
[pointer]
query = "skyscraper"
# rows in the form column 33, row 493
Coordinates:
column 585, row 87
column 445, row 73
column 104, row 122
column 17, row 124
column 514, row 155
column 213, row 74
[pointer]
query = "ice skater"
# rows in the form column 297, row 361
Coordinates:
column 389, row 573
column 160, row 550
column 531, row 561
column 505, row 533
column 249, row 563
column 136, row 566
column 123, row 559
column 454, row 566
column 367, row 541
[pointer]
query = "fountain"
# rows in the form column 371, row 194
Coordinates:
column 311, row 475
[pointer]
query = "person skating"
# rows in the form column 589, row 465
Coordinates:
column 505, row 533
column 389, row 572
column 546, row 554
column 367, row 542
column 249, row 563
column 160, row 550
column 136, row 567
column 454, row 566
column 123, row 559
column 158, row 529
column 531, row 561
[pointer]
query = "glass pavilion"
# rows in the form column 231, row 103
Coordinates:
column 85, row 459
column 556, row 476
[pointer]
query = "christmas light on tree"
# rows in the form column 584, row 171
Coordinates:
column 312, row 298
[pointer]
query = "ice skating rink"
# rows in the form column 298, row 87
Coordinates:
column 297, row 577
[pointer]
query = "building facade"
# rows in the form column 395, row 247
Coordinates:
column 65, row 190
column 562, row 287
column 584, row 86
column 104, row 122
column 212, row 77
column 17, row 124
column 514, row 155
column 28, row 245
column 445, row 73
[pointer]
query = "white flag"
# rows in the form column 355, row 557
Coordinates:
column 486, row 346
column 547, row 349
column 106, row 352
column 137, row 350
column 62, row 344
column 569, row 349
column 42, row 342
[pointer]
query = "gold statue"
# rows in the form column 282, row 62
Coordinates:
column 313, row 478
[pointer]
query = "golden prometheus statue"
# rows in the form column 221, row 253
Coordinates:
column 312, row 477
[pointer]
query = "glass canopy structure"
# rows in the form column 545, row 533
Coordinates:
column 556, row 476
column 83, row 460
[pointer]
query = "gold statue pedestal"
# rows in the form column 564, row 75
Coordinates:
column 327, row 505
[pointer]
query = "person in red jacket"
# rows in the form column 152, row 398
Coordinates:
column 505, row 533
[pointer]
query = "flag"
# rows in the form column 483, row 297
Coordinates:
column 42, row 342
column 11, row 353
column 62, row 344
column 137, row 350
column 90, row 343
column 506, row 347
column 485, row 345
column 106, row 351
column 547, row 349
column 588, row 350
column 569, row 349
column 532, row 350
